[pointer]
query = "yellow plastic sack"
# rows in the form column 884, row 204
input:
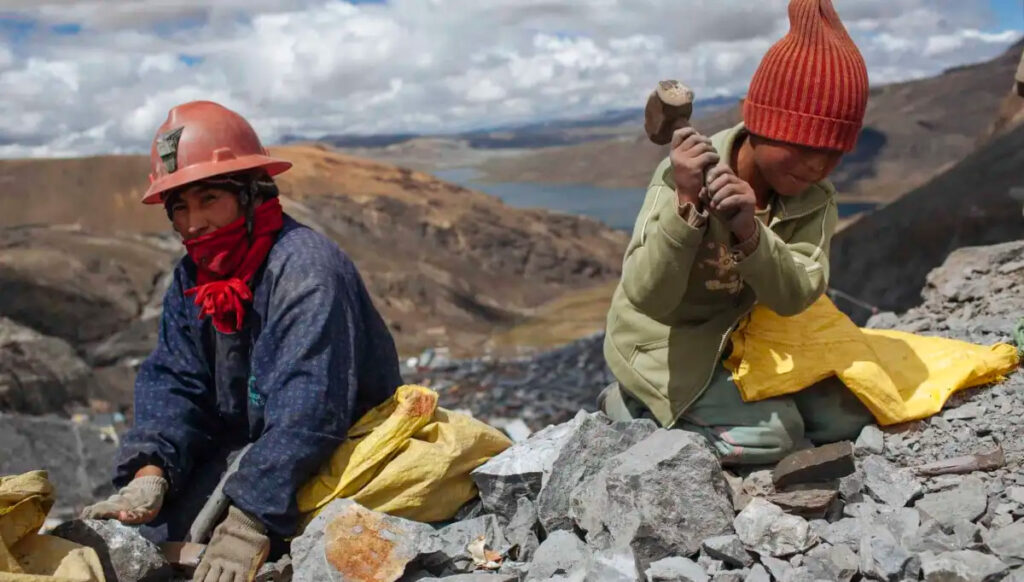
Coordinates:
column 899, row 376
column 407, row 458
column 26, row 556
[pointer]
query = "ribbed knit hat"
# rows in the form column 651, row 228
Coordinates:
column 812, row 87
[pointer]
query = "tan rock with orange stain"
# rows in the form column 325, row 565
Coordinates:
column 349, row 543
column 361, row 547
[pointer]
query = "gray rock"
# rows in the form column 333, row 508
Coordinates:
column 882, row 558
column 447, row 550
column 759, row 484
column 474, row 577
column 279, row 571
column 350, row 542
column 675, row 570
column 967, row 535
column 728, row 549
column 889, row 484
column 77, row 458
column 962, row 566
column 513, row 568
column 871, row 440
column 522, row 531
column 847, row 531
column 883, row 320
column 125, row 555
column 730, row 576
column 710, row 565
column 739, row 498
column 40, row 374
column 765, row 529
column 1008, row 543
column 522, row 469
column 803, row 574
column 837, row 563
column 808, row 503
column 662, row 497
column 851, row 487
column 589, row 446
column 998, row 520
column 758, row 573
column 930, row 537
column 964, row 412
column 561, row 554
column 1016, row 494
column 613, row 565
column 779, row 569
column 968, row 502
column 901, row 521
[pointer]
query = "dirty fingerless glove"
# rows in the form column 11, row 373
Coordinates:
column 236, row 551
column 141, row 496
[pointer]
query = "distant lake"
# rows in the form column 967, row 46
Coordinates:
column 616, row 207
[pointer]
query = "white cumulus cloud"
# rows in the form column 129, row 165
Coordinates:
column 92, row 76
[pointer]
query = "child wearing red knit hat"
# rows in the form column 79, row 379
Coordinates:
column 701, row 257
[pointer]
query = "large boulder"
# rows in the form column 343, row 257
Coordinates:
column 522, row 469
column 40, row 374
column 592, row 443
column 78, row 457
column 661, row 497
column 76, row 286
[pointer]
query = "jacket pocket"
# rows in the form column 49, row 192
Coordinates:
column 650, row 362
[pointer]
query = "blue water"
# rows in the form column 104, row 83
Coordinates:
column 616, row 207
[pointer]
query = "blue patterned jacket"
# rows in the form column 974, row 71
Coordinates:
column 313, row 357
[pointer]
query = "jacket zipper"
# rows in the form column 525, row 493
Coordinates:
column 729, row 330
column 714, row 365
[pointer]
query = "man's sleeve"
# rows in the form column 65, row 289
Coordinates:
column 174, row 418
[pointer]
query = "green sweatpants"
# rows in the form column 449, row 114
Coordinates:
column 758, row 433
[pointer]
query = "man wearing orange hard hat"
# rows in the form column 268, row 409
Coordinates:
column 268, row 339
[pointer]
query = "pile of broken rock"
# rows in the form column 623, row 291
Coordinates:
column 595, row 500
column 940, row 499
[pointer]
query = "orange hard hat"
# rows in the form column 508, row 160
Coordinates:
column 201, row 139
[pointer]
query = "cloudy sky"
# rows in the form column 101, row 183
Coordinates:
column 98, row 76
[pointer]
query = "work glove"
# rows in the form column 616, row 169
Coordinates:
column 137, row 502
column 236, row 551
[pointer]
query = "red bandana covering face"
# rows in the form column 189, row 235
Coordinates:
column 226, row 262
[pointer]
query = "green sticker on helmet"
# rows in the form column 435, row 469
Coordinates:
column 167, row 148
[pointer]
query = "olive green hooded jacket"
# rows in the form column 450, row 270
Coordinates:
column 684, row 288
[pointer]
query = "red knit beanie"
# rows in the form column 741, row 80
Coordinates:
column 812, row 87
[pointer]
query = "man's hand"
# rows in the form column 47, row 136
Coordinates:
column 137, row 502
column 732, row 200
column 691, row 153
column 236, row 551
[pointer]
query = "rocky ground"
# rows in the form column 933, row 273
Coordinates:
column 586, row 499
column 548, row 388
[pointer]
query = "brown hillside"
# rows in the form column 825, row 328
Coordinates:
column 913, row 130
column 885, row 258
column 446, row 265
